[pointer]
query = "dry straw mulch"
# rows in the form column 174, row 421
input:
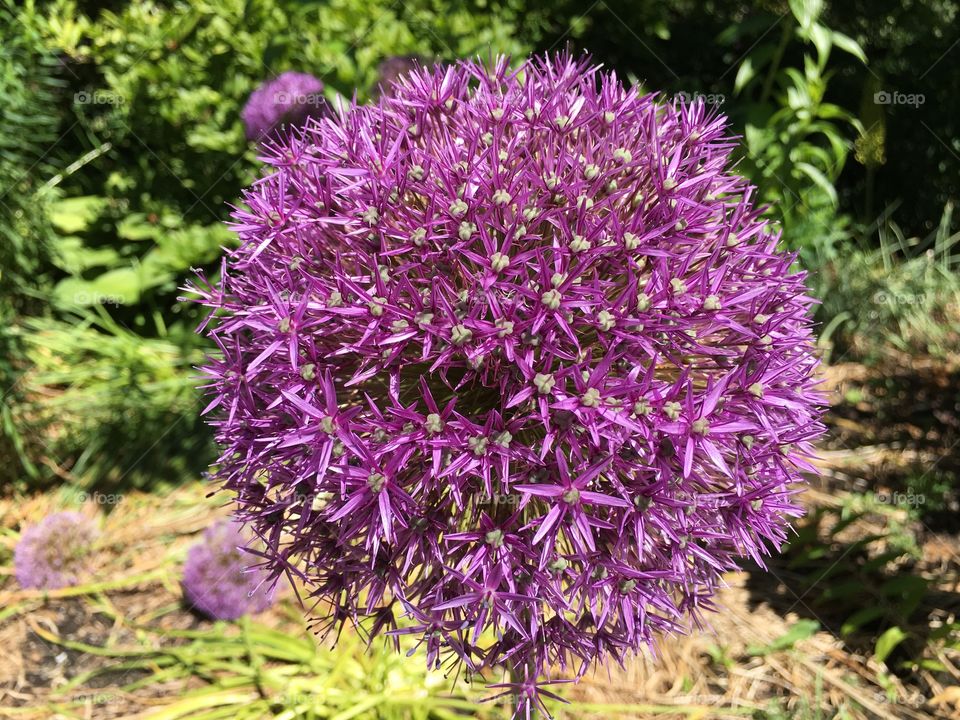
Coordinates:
column 738, row 667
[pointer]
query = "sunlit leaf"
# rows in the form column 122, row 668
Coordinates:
column 847, row 43
column 887, row 642
column 74, row 215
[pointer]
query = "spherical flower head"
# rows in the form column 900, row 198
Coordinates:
column 56, row 552
column 288, row 99
column 513, row 354
column 218, row 578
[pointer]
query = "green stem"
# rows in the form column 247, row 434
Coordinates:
column 775, row 63
column 516, row 677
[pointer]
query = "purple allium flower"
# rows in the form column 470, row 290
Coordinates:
column 55, row 553
column 288, row 99
column 218, row 579
column 392, row 69
column 512, row 353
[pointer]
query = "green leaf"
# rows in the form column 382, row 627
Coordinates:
column 847, row 43
column 800, row 630
column 179, row 250
column 72, row 255
column 121, row 286
column 135, row 226
column 887, row 642
column 819, row 179
column 821, row 38
column 806, row 12
column 745, row 73
column 757, row 138
column 73, row 215
column 861, row 618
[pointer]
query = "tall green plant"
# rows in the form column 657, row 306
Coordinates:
column 797, row 141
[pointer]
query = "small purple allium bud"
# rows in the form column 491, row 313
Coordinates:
column 288, row 99
column 392, row 69
column 218, row 579
column 56, row 552
column 541, row 408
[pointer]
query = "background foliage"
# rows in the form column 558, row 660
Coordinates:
column 125, row 149
column 121, row 149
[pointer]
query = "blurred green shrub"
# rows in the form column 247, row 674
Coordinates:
column 117, row 408
column 29, row 118
column 162, row 84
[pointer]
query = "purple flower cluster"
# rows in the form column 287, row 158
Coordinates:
column 511, row 353
column 218, row 579
column 56, row 552
column 289, row 99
